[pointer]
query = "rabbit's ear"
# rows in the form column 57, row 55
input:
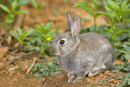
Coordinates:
column 69, row 19
column 75, row 25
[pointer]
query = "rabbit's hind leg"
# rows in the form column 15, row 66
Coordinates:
column 96, row 71
column 80, row 76
column 72, row 77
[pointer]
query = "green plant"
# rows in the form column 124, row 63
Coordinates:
column 11, row 14
column 19, row 3
column 45, row 68
column 112, row 77
column 124, row 54
column 126, row 82
column 43, row 35
column 91, row 9
column 20, row 37
column 36, row 5
column 116, row 13
column 57, row 32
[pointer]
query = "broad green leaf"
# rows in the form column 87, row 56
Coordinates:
column 36, row 65
column 34, row 4
column 5, row 25
column 27, row 76
column 128, row 49
column 40, row 66
column 121, row 73
column 14, row 5
column 22, row 2
column 45, row 74
column 126, row 7
column 113, row 4
column 29, row 64
column 49, row 63
column 123, row 36
column 125, row 20
column 109, row 10
column 110, row 31
column 20, row 31
column 42, row 70
column 5, row 8
column 96, row 3
column 84, row 6
column 39, row 4
column 21, row 12
column 81, row 4
column 120, row 31
column 34, row 69
column 48, row 25
column 126, row 10
column 88, row 10
column 9, row 18
column 101, row 13
column 113, row 15
column 50, row 33
column 37, row 74
column 120, row 77
column 28, row 32
column 16, row 37
column 124, row 3
column 127, row 56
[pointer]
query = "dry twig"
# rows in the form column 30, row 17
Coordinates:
column 29, row 69
column 18, row 58
column 12, row 54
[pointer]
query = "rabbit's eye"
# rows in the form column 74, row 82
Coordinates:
column 62, row 41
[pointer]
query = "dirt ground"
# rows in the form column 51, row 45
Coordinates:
column 12, row 77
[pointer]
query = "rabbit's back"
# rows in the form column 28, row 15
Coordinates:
column 95, row 44
column 96, row 48
column 93, row 39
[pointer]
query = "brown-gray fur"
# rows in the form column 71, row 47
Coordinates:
column 89, row 53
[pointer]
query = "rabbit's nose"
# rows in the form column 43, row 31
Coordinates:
column 53, row 50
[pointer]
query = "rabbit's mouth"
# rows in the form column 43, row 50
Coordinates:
column 54, row 51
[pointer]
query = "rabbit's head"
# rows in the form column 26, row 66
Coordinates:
column 69, row 40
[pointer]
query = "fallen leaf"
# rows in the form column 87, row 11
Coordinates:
column 3, row 52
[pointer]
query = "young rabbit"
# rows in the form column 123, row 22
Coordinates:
column 79, row 55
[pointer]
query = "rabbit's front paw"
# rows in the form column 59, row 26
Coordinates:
column 79, row 78
column 71, row 77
